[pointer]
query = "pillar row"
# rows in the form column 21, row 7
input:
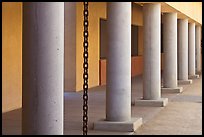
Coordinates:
column 43, row 62
column 152, row 57
column 170, row 54
column 183, row 51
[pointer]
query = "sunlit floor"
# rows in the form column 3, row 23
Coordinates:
column 182, row 115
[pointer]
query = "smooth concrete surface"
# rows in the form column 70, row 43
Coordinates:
column 183, row 82
column 193, row 76
column 156, row 120
column 191, row 49
column 126, row 126
column 118, row 95
column 198, row 48
column 43, row 68
column 152, row 51
column 162, row 102
column 172, row 90
column 170, row 50
column 182, row 49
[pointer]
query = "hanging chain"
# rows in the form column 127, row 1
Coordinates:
column 85, row 75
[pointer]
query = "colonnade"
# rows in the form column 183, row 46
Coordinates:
column 43, row 56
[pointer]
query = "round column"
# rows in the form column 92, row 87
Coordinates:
column 198, row 48
column 43, row 68
column 191, row 50
column 118, row 96
column 170, row 50
column 183, row 49
column 152, row 49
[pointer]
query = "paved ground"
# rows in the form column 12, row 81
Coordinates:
column 182, row 115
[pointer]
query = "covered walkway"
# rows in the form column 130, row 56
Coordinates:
column 182, row 115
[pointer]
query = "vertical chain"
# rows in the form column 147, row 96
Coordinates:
column 85, row 75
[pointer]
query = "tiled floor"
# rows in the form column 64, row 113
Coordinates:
column 183, row 114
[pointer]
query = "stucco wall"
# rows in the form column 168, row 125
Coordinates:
column 11, row 55
column 70, row 47
column 96, row 10
column 191, row 9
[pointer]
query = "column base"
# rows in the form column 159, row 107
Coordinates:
column 152, row 103
column 126, row 126
column 193, row 76
column 172, row 90
column 185, row 82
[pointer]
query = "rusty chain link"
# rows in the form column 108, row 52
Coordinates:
column 85, row 67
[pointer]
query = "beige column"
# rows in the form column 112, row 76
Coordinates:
column 152, row 57
column 170, row 53
column 43, row 68
column 198, row 48
column 183, row 52
column 191, row 51
column 118, row 94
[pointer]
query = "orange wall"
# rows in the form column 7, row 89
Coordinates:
column 191, row 9
column 136, row 65
column 140, row 40
column 11, row 55
column 102, row 69
column 97, row 10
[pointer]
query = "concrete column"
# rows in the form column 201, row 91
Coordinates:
column 170, row 53
column 183, row 52
column 152, row 56
column 43, row 68
column 152, row 49
column 191, row 51
column 198, row 48
column 118, row 95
